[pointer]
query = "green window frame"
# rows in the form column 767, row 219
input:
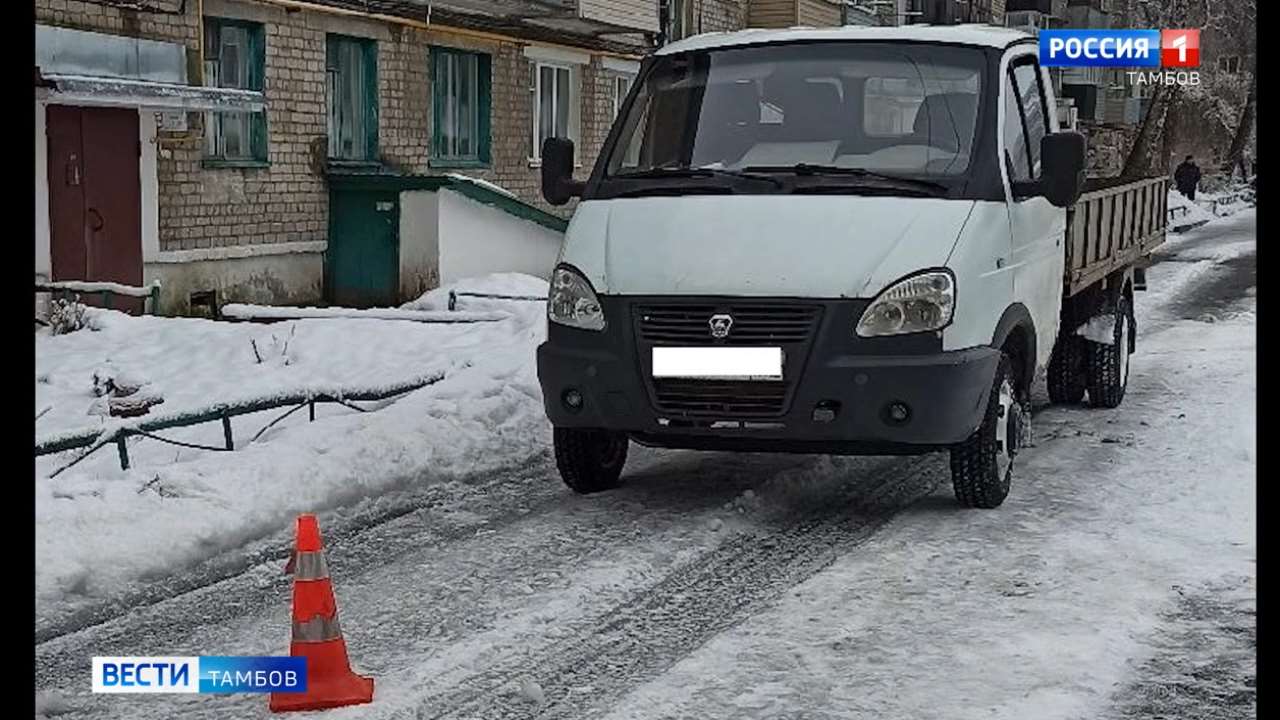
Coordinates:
column 351, row 91
column 235, row 57
column 461, row 107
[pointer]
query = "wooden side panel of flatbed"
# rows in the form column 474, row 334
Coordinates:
column 1110, row 228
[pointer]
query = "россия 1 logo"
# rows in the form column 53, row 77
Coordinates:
column 1170, row 53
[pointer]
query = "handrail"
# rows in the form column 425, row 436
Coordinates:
column 107, row 290
column 97, row 438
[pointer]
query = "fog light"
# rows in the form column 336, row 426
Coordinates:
column 572, row 400
column 825, row 411
column 897, row 413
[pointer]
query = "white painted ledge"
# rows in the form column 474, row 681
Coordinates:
column 236, row 252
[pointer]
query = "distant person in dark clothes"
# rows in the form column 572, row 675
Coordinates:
column 1187, row 178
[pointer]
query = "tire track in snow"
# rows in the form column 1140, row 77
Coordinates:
column 507, row 491
column 606, row 655
column 1205, row 663
column 658, row 495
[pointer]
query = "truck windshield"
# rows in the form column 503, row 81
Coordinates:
column 890, row 109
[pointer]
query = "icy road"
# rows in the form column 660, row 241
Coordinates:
column 1118, row 580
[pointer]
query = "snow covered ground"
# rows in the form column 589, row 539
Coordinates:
column 1117, row 581
column 96, row 525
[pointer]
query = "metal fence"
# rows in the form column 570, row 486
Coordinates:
column 95, row 440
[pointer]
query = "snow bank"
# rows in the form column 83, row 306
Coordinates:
column 509, row 284
column 99, row 529
column 272, row 312
column 1184, row 214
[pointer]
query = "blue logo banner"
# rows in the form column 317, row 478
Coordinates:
column 1100, row 48
column 204, row 674
column 252, row 674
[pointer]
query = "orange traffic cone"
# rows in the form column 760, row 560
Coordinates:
column 316, row 634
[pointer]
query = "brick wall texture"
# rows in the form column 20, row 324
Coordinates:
column 287, row 201
column 717, row 15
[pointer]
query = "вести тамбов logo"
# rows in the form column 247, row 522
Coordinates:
column 1169, row 57
column 199, row 674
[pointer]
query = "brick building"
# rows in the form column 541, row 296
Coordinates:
column 250, row 108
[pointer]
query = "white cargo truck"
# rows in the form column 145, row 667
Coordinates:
column 848, row 241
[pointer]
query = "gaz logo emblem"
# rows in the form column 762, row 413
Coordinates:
column 720, row 326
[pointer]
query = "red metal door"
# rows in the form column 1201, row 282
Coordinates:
column 95, row 198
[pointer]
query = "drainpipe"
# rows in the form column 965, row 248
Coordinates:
column 199, row 40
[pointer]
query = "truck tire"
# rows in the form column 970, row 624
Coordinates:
column 1066, row 375
column 1108, row 365
column 590, row 460
column 982, row 466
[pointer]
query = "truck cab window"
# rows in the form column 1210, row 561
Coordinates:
column 1016, row 154
column 852, row 106
column 1026, row 77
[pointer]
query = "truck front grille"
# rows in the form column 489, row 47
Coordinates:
column 762, row 323
column 720, row 398
column 753, row 324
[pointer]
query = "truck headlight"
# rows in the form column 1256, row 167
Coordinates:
column 572, row 302
column 916, row 304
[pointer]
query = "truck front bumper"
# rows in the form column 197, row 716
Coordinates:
column 842, row 395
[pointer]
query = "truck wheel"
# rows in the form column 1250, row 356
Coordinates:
column 1108, row 365
column 982, row 466
column 1066, row 371
column 590, row 460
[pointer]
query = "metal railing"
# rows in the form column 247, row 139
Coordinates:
column 454, row 295
column 107, row 291
column 96, row 439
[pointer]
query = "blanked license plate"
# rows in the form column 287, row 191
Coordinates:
column 718, row 363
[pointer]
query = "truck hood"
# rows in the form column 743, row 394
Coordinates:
column 783, row 245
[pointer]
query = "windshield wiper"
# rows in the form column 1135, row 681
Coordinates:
column 690, row 172
column 810, row 170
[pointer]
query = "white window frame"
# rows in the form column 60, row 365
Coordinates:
column 574, row 129
column 573, row 61
column 618, row 94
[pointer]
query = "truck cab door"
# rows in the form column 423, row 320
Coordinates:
column 1037, row 228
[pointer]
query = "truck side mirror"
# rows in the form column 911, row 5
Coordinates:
column 1062, row 160
column 558, row 185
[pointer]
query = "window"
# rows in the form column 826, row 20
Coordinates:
column 1026, row 77
column 554, row 99
column 1229, row 64
column 1026, row 121
column 679, row 19
column 460, row 92
column 234, row 58
column 621, row 86
column 861, row 105
column 1015, row 138
column 351, row 72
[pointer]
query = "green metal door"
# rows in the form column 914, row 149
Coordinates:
column 363, row 264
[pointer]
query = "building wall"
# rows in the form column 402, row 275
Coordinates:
column 43, row 261
column 170, row 25
column 639, row 14
column 722, row 15
column 476, row 238
column 268, row 225
column 773, row 13
column 818, row 13
column 419, row 242
column 997, row 12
